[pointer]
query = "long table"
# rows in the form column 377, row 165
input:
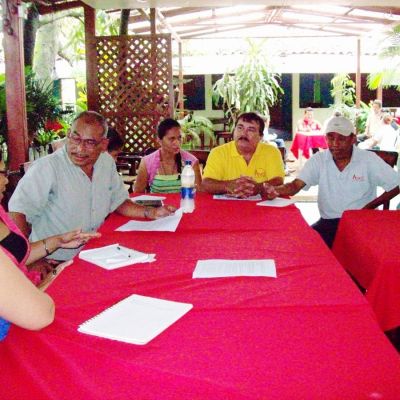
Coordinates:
column 367, row 245
column 308, row 334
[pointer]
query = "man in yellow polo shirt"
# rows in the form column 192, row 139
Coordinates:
column 239, row 168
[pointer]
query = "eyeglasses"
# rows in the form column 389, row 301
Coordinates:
column 88, row 143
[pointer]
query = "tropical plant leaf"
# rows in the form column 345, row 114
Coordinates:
column 253, row 87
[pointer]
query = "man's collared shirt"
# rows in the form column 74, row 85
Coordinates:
column 56, row 197
column 350, row 189
column 225, row 163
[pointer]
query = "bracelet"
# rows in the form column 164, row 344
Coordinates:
column 147, row 212
column 45, row 247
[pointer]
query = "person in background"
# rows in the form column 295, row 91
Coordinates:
column 385, row 137
column 346, row 175
column 115, row 143
column 271, row 137
column 160, row 170
column 240, row 167
column 75, row 187
column 21, row 302
column 374, row 121
column 307, row 124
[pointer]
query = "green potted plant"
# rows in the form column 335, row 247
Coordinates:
column 196, row 130
column 251, row 87
column 41, row 105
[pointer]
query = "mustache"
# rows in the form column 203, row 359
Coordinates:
column 243, row 138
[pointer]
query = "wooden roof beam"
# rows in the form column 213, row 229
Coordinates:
column 170, row 13
column 56, row 7
column 355, row 18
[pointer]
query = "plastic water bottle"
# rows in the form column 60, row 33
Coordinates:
column 187, row 188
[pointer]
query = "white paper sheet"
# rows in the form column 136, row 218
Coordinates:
column 136, row 319
column 226, row 197
column 166, row 224
column 115, row 256
column 229, row 268
column 278, row 202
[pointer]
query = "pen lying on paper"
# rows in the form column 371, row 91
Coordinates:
column 124, row 252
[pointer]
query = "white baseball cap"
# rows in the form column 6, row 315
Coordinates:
column 340, row 125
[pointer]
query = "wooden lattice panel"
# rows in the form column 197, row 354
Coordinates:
column 134, row 75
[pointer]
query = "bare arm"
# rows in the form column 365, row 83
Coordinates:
column 21, row 222
column 240, row 187
column 215, row 186
column 141, row 179
column 69, row 240
column 132, row 210
column 20, row 301
column 197, row 174
column 382, row 198
column 277, row 181
column 288, row 189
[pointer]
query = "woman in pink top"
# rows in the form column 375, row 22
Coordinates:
column 160, row 170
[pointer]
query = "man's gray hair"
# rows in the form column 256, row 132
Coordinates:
column 93, row 116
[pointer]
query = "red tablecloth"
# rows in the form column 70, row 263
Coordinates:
column 307, row 142
column 309, row 334
column 368, row 245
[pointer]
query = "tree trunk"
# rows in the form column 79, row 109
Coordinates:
column 46, row 51
column 123, row 27
column 30, row 27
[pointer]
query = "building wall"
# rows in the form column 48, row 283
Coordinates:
column 320, row 113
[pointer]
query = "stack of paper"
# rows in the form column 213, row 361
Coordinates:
column 166, row 224
column 230, row 268
column 136, row 319
column 227, row 197
column 115, row 256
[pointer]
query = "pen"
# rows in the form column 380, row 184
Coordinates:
column 127, row 254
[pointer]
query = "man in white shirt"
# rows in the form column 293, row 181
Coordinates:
column 75, row 187
column 384, row 138
column 374, row 121
column 346, row 175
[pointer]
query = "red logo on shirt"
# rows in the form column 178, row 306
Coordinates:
column 358, row 178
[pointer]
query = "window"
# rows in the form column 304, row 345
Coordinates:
column 194, row 92
column 219, row 105
column 315, row 90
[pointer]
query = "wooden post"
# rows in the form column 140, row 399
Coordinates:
column 91, row 58
column 180, row 93
column 153, row 25
column 18, row 141
column 358, row 74
column 379, row 93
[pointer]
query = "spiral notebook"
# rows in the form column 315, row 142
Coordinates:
column 136, row 319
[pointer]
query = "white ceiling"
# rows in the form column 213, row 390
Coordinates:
column 109, row 4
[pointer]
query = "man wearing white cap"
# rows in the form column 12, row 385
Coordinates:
column 346, row 175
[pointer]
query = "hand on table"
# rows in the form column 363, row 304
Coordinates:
column 76, row 238
column 269, row 191
column 160, row 212
column 242, row 187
